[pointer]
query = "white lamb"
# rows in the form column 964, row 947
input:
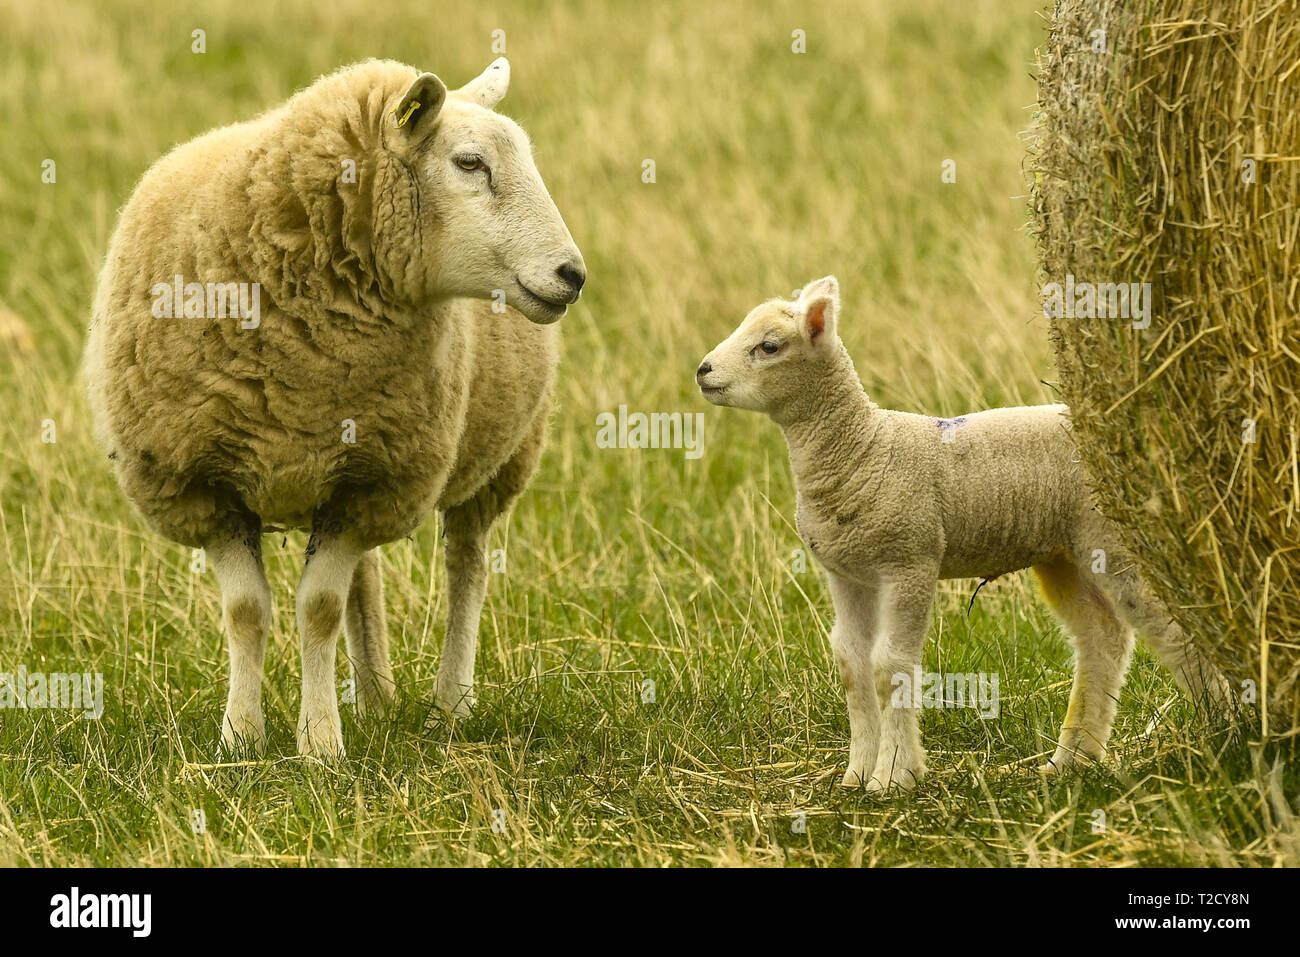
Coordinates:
column 891, row 502
column 377, row 214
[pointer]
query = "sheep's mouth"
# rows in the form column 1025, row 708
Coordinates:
column 711, row 392
column 550, row 308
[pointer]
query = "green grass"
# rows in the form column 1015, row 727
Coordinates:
column 623, row 566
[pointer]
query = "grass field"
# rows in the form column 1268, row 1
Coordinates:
column 623, row 566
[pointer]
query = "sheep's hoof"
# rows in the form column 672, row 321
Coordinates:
column 320, row 739
column 243, row 737
column 375, row 702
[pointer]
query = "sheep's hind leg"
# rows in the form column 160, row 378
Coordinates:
column 1102, row 644
column 852, row 637
column 236, row 559
column 332, row 561
column 905, row 620
column 368, row 638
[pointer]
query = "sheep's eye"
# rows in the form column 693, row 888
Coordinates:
column 771, row 348
column 469, row 163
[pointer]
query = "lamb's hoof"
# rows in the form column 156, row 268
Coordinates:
column 458, row 702
column 903, row 780
column 320, row 739
column 853, row 779
column 879, row 783
column 898, row 768
column 1066, row 762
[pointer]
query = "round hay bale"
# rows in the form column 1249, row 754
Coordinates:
column 1167, row 151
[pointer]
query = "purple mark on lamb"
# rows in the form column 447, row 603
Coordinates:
column 948, row 428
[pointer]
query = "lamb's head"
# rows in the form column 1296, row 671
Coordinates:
column 487, row 225
column 778, row 351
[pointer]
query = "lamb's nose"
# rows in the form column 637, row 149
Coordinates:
column 572, row 276
column 703, row 370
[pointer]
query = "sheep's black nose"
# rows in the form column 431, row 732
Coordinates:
column 573, row 277
column 703, row 370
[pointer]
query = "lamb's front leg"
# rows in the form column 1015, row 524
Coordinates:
column 852, row 637
column 322, row 596
column 905, row 600
column 467, row 530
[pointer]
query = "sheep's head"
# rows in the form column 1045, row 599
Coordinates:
column 487, row 225
column 776, row 353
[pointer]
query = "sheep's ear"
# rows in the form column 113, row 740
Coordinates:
column 819, row 305
column 490, row 86
column 416, row 112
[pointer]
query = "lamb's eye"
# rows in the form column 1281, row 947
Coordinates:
column 771, row 348
column 469, row 163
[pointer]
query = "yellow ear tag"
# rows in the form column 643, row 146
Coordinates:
column 415, row 105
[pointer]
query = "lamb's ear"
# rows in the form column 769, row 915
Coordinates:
column 417, row 111
column 819, row 306
column 490, row 86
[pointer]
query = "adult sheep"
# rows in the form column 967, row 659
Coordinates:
column 378, row 221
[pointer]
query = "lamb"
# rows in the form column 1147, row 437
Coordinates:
column 392, row 233
column 891, row 502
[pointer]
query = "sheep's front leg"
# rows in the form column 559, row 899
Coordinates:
column 368, row 638
column 905, row 601
column 852, row 638
column 236, row 559
column 322, row 596
column 467, row 573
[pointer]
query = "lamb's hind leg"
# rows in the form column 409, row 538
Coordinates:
column 1102, row 645
column 368, row 637
column 236, row 559
column 332, row 560
column 1138, row 605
